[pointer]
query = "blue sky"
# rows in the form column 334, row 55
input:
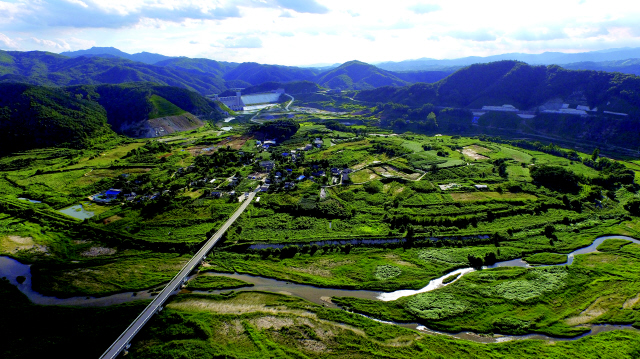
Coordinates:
column 304, row 32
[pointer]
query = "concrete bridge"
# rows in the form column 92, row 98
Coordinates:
column 124, row 340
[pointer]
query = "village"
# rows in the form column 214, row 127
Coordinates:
column 280, row 173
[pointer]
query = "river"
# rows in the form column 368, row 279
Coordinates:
column 11, row 269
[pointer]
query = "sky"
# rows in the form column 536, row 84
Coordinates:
column 312, row 32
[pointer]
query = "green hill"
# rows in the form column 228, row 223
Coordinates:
column 292, row 88
column 44, row 68
column 163, row 108
column 198, row 66
column 254, row 74
column 518, row 84
column 129, row 104
column 629, row 66
column 35, row 117
column 356, row 75
column 81, row 116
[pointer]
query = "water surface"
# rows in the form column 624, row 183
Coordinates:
column 77, row 211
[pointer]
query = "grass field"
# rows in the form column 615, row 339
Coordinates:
column 163, row 108
column 484, row 196
column 140, row 244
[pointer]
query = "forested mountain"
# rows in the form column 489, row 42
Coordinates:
column 546, row 58
column 128, row 106
column 424, row 76
column 356, row 75
column 254, row 74
column 292, row 88
column 44, row 68
column 198, row 66
column 518, row 84
column 144, row 57
column 35, row 116
column 629, row 66
column 78, row 116
column 201, row 75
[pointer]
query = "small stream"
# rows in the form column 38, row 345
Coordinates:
column 11, row 269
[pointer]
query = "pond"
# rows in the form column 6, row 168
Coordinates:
column 30, row 200
column 77, row 211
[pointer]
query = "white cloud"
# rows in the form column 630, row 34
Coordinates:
column 250, row 42
column 318, row 31
column 59, row 45
column 477, row 35
column 7, row 43
column 425, row 8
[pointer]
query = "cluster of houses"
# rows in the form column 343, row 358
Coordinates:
column 317, row 143
column 266, row 144
column 113, row 194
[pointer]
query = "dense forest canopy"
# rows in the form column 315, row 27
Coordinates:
column 34, row 116
column 518, row 84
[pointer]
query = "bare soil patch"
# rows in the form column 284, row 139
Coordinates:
column 21, row 240
column 479, row 149
column 13, row 244
column 268, row 322
column 593, row 311
column 98, row 251
column 111, row 219
column 471, row 152
column 313, row 271
column 629, row 303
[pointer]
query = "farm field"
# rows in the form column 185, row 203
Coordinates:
column 360, row 212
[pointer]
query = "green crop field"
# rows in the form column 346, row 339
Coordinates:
column 412, row 211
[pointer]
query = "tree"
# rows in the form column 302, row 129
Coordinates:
column 595, row 154
column 633, row 206
column 431, row 122
column 548, row 230
column 556, row 177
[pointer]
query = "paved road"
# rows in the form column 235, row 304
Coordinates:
column 125, row 338
column 290, row 102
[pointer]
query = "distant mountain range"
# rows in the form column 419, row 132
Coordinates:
column 144, row 57
column 108, row 65
column 201, row 75
column 546, row 58
column 521, row 85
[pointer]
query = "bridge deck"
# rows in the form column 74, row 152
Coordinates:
column 174, row 285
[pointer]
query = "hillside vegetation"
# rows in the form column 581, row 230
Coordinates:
column 518, row 84
column 82, row 116
column 128, row 105
column 33, row 117
column 44, row 68
column 629, row 66
column 112, row 66
column 356, row 75
column 163, row 108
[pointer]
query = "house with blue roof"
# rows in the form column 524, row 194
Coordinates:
column 112, row 193
column 302, row 177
